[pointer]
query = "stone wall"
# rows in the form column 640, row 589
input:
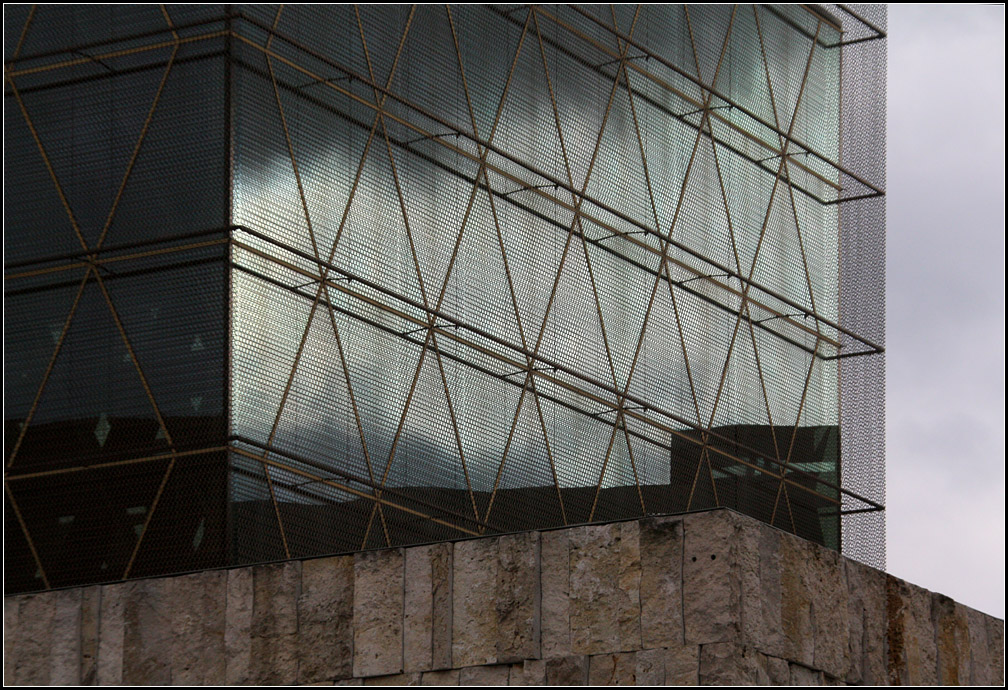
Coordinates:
column 706, row 598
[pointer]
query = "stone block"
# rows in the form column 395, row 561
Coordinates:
column 650, row 664
column 238, row 626
column 912, row 656
column 496, row 674
column 555, row 581
column 11, row 636
column 111, row 630
column 799, row 578
column 866, row 620
column 682, row 665
column 528, row 672
column 711, row 579
column 349, row 681
column 27, row 662
column 604, row 589
column 567, row 670
column 778, row 670
column 952, row 640
column 802, row 675
column 418, row 611
column 394, row 679
column 829, row 611
column 441, row 617
column 980, row 650
column 147, row 632
column 447, row 677
column 198, row 624
column 65, row 637
column 378, row 598
column 727, row 663
column 474, row 603
column 996, row 645
column 613, row 669
column 274, row 625
column 661, row 543
column 325, row 619
column 90, row 616
column 518, row 597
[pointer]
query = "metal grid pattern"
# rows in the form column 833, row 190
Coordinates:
column 582, row 272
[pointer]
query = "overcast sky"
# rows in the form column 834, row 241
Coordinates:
column 946, row 301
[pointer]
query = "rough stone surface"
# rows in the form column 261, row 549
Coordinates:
column 650, row 666
column 555, row 582
column 30, row 663
column 89, row 617
column 682, row 665
column 802, row 675
column 325, row 619
column 197, row 628
column 711, row 587
column 441, row 618
column 111, row 628
column 778, row 670
column 829, row 611
column 528, row 672
column 613, row 669
column 273, row 630
column 12, row 635
column 394, row 679
column 604, row 589
column 798, row 579
column 567, row 670
column 518, row 597
column 485, row 675
column 238, row 626
column 866, row 620
column 378, row 613
column 952, row 640
column 448, row 677
column 980, row 656
column 661, row 543
column 418, row 610
column 727, row 663
column 65, row 637
column 995, row 641
column 912, row 656
column 147, row 633
column 474, row 610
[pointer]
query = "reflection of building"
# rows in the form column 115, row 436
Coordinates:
column 273, row 291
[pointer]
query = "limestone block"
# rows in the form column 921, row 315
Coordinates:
column 952, row 640
column 912, row 656
column 763, row 592
column 711, row 582
column 613, row 669
column 518, row 597
column 650, row 663
column 829, row 611
column 802, row 675
column 28, row 661
column 273, row 629
column 349, row 681
column 65, row 637
column 474, row 610
column 441, row 617
column 866, row 620
column 448, row 677
column 799, row 579
column 394, row 679
column 89, row 617
column 528, row 672
column 378, row 613
column 485, row 675
column 238, row 626
column 325, row 619
column 995, row 641
column 418, row 609
column 980, row 650
column 778, row 671
column 555, row 581
column 727, row 663
column 567, row 670
column 147, row 632
column 11, row 636
column 661, row 543
column 682, row 665
column 111, row 630
column 198, row 624
column 604, row 589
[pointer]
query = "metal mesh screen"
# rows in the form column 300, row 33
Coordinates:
column 482, row 269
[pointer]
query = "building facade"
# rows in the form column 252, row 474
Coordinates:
column 292, row 281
